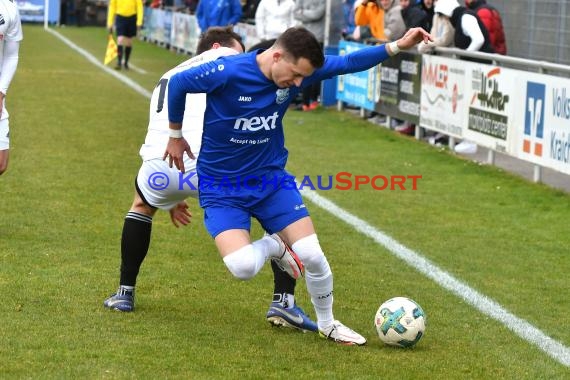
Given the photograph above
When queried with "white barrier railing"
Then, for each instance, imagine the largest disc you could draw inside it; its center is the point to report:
(522, 113)
(180, 31)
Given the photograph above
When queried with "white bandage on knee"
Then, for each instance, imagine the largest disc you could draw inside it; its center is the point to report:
(311, 254)
(245, 262)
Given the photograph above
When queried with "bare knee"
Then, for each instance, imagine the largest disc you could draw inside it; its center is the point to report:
(3, 165)
(141, 207)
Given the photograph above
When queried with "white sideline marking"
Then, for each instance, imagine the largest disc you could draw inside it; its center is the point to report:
(484, 304)
(137, 69)
(129, 82)
(481, 302)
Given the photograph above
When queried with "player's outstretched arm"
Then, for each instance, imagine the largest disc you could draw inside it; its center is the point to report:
(412, 37)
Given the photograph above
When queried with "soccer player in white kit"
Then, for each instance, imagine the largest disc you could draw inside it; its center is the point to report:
(10, 37)
(160, 187)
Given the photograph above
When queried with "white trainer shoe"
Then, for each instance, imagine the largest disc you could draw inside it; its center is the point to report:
(339, 333)
(289, 262)
(466, 147)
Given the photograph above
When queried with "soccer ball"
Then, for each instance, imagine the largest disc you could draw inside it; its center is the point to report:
(400, 322)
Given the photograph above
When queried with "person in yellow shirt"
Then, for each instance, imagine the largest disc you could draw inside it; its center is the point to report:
(370, 13)
(127, 17)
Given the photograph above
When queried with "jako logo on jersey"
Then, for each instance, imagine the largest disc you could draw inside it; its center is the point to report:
(257, 122)
(244, 99)
(282, 95)
(534, 118)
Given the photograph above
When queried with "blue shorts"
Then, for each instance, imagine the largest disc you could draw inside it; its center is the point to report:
(231, 207)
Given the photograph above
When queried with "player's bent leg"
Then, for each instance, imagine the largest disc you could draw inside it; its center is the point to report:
(4, 144)
(128, 50)
(242, 258)
(243, 263)
(319, 279)
(4, 156)
(135, 241)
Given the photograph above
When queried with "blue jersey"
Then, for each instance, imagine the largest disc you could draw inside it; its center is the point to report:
(243, 121)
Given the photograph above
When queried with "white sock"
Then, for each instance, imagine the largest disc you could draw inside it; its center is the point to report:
(318, 277)
(272, 246)
(126, 289)
(284, 299)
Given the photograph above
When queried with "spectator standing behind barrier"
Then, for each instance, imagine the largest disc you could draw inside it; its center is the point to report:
(191, 6)
(470, 32)
(127, 17)
(470, 35)
(348, 17)
(273, 17)
(371, 14)
(311, 14)
(80, 7)
(414, 16)
(442, 31)
(11, 32)
(63, 12)
(491, 18)
(443, 34)
(394, 26)
(218, 13)
(427, 6)
(249, 9)
(394, 29)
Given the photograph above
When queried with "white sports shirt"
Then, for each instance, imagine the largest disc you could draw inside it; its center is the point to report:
(193, 122)
(10, 36)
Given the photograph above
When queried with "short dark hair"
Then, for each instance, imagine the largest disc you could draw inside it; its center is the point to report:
(225, 36)
(301, 43)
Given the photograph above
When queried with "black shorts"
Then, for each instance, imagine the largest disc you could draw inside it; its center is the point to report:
(126, 26)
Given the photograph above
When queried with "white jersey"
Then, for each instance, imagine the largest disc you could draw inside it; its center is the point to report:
(193, 122)
(10, 30)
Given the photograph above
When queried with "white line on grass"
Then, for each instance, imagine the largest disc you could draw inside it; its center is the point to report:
(137, 69)
(132, 84)
(481, 302)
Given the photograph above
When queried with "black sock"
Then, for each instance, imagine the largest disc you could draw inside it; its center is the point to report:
(119, 54)
(283, 284)
(134, 246)
(127, 53)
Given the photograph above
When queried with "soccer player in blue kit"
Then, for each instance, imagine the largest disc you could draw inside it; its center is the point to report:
(241, 166)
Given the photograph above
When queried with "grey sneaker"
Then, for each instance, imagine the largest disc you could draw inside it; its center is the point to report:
(121, 302)
(339, 333)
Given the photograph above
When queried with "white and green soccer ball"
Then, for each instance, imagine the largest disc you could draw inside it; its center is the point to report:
(400, 322)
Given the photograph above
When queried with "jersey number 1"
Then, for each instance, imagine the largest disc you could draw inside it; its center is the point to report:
(162, 83)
